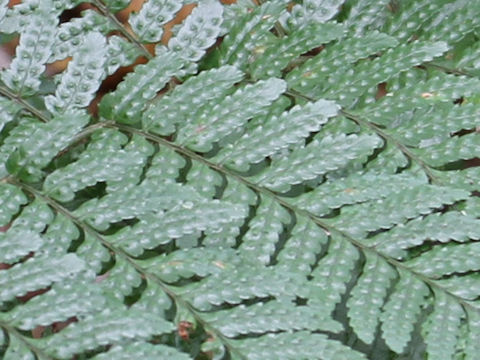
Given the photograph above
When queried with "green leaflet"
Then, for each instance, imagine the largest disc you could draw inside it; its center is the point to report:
(300, 345)
(314, 71)
(70, 35)
(163, 115)
(16, 244)
(63, 183)
(11, 198)
(275, 56)
(144, 350)
(198, 32)
(89, 330)
(226, 116)
(442, 327)
(353, 221)
(288, 129)
(409, 295)
(374, 281)
(23, 74)
(79, 83)
(58, 304)
(315, 11)
(149, 21)
(247, 34)
(37, 273)
(264, 231)
(319, 157)
(186, 218)
(125, 103)
(30, 158)
(461, 258)
(272, 316)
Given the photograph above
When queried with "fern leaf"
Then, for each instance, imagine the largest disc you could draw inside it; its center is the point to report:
(309, 237)
(23, 75)
(60, 303)
(121, 279)
(434, 264)
(474, 326)
(410, 18)
(457, 148)
(187, 263)
(130, 97)
(204, 180)
(315, 10)
(30, 158)
(251, 148)
(435, 227)
(250, 284)
(365, 15)
(217, 121)
(154, 301)
(462, 19)
(297, 345)
(143, 350)
(37, 273)
(198, 32)
(59, 236)
(465, 287)
(36, 216)
(11, 198)
(70, 35)
(375, 280)
(409, 295)
(350, 190)
(278, 54)
(249, 32)
(427, 197)
(16, 244)
(148, 23)
(264, 229)
(313, 71)
(18, 350)
(9, 110)
(392, 62)
(63, 183)
(163, 115)
(332, 273)
(93, 253)
(319, 157)
(115, 5)
(185, 219)
(79, 83)
(93, 332)
(272, 316)
(442, 327)
(120, 53)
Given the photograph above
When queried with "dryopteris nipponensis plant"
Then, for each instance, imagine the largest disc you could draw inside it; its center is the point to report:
(248, 192)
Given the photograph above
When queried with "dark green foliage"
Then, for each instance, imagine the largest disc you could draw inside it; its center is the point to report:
(278, 181)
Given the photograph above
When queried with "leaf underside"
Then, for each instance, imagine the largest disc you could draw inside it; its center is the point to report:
(294, 181)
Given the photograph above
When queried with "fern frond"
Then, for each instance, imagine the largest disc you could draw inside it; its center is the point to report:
(283, 180)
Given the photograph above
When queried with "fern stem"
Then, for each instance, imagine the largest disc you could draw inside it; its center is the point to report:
(119, 252)
(131, 37)
(39, 353)
(382, 134)
(266, 192)
(7, 93)
(450, 70)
